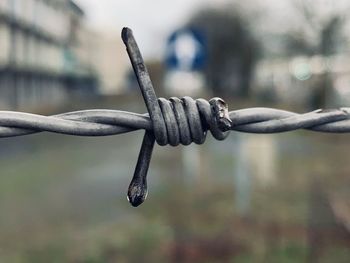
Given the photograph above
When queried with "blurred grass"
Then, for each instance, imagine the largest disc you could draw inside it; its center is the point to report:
(62, 199)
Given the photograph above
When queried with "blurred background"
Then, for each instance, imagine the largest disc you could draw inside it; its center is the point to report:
(252, 198)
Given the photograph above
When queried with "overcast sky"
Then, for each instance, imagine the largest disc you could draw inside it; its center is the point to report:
(151, 21)
(154, 20)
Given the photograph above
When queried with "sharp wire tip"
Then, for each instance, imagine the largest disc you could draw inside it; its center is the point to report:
(126, 32)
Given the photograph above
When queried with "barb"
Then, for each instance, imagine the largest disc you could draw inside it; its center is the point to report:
(174, 121)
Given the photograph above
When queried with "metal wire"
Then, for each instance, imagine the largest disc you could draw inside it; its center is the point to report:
(102, 122)
(174, 121)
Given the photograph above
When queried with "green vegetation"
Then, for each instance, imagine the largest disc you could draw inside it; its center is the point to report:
(62, 199)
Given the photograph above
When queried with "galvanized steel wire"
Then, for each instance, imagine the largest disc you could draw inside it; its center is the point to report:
(102, 122)
(174, 121)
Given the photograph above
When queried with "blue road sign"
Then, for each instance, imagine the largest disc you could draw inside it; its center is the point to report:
(186, 50)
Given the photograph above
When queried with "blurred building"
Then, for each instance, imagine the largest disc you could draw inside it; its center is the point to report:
(110, 60)
(80, 77)
(302, 80)
(39, 62)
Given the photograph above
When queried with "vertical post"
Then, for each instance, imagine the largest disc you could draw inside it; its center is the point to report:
(242, 181)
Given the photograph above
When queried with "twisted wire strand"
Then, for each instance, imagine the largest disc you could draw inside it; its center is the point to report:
(102, 122)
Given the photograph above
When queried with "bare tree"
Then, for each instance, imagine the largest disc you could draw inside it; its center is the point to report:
(232, 50)
(320, 30)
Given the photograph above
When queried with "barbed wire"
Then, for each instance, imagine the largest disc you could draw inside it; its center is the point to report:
(174, 121)
(103, 122)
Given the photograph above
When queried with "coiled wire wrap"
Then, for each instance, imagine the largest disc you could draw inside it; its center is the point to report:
(187, 120)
